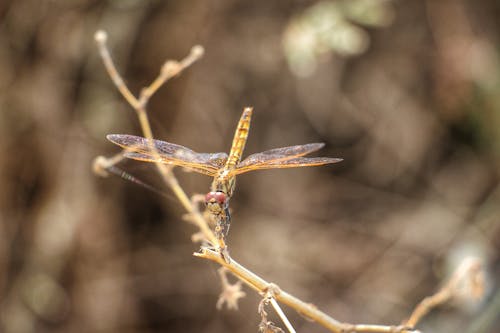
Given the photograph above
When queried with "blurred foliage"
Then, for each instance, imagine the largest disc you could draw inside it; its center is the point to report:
(330, 26)
(407, 92)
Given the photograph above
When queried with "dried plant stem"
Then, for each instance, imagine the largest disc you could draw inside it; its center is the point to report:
(102, 164)
(472, 271)
(282, 315)
(469, 275)
(101, 39)
(307, 309)
(139, 105)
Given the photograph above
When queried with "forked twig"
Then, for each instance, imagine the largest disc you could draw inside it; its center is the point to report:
(467, 280)
(282, 315)
(306, 309)
(171, 69)
(270, 297)
(267, 326)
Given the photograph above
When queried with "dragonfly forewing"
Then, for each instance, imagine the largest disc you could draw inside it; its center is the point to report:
(280, 154)
(139, 148)
(288, 163)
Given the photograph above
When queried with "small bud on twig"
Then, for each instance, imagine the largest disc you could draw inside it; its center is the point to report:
(101, 36)
(197, 51)
(99, 166)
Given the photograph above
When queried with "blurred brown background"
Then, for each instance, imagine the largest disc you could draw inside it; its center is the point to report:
(407, 92)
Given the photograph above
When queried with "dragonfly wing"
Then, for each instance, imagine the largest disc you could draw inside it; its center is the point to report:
(138, 148)
(218, 160)
(288, 163)
(280, 154)
(191, 166)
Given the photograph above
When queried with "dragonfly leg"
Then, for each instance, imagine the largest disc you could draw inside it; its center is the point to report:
(227, 221)
(223, 221)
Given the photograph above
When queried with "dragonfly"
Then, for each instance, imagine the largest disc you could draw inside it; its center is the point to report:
(222, 167)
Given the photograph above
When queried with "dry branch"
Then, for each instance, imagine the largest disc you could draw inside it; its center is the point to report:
(470, 272)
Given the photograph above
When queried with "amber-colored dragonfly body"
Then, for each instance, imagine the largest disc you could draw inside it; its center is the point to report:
(224, 168)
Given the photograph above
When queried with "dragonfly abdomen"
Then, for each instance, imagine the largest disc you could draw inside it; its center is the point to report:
(240, 139)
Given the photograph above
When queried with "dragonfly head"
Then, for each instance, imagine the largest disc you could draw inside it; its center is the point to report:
(216, 201)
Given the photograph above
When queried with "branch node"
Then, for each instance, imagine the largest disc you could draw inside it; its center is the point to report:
(170, 68)
(272, 290)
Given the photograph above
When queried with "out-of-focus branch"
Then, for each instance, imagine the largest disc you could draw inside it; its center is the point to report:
(231, 293)
(467, 280)
(101, 38)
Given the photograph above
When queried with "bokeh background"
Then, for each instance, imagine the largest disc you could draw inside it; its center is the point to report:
(407, 92)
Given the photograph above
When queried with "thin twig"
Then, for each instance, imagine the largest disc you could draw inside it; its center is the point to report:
(467, 280)
(266, 326)
(139, 107)
(282, 315)
(101, 38)
(307, 309)
(171, 69)
(101, 164)
(269, 297)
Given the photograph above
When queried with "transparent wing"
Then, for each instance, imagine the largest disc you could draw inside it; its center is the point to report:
(286, 157)
(290, 163)
(138, 148)
(280, 154)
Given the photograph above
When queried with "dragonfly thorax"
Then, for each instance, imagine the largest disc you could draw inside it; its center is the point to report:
(224, 183)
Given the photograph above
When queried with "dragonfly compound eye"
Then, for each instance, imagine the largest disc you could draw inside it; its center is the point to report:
(215, 197)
